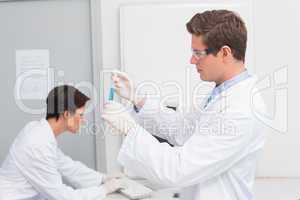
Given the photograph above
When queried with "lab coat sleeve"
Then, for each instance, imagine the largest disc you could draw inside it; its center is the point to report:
(39, 166)
(218, 143)
(77, 174)
(165, 123)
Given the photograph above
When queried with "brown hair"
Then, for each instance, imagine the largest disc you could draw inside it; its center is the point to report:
(64, 98)
(219, 28)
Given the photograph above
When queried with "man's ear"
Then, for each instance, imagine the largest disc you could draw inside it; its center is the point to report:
(66, 114)
(226, 53)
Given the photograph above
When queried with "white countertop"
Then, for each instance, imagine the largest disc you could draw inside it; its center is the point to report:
(265, 188)
(158, 195)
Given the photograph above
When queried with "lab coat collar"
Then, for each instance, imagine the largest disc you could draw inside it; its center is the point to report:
(242, 80)
(48, 130)
(229, 83)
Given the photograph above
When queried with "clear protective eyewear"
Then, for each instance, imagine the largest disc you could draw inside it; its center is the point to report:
(198, 54)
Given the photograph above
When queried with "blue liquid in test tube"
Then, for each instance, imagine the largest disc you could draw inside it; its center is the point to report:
(111, 94)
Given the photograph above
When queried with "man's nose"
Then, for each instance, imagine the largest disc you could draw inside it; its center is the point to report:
(193, 60)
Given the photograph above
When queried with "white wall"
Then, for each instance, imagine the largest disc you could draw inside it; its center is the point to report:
(276, 44)
(276, 40)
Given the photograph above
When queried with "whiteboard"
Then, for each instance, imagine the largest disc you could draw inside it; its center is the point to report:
(156, 48)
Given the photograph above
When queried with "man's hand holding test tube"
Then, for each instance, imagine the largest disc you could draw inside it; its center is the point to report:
(115, 113)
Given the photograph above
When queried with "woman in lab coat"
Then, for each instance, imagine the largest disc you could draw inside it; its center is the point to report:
(217, 146)
(35, 167)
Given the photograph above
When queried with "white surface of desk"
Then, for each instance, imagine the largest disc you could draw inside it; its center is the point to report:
(159, 195)
(277, 189)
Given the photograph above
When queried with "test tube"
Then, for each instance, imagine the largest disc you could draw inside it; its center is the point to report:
(111, 94)
(111, 91)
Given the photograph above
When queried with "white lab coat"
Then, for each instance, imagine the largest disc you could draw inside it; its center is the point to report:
(216, 149)
(35, 169)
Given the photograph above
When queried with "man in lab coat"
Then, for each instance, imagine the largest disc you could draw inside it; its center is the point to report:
(217, 146)
(35, 167)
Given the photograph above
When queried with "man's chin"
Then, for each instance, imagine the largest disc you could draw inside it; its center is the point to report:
(202, 77)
